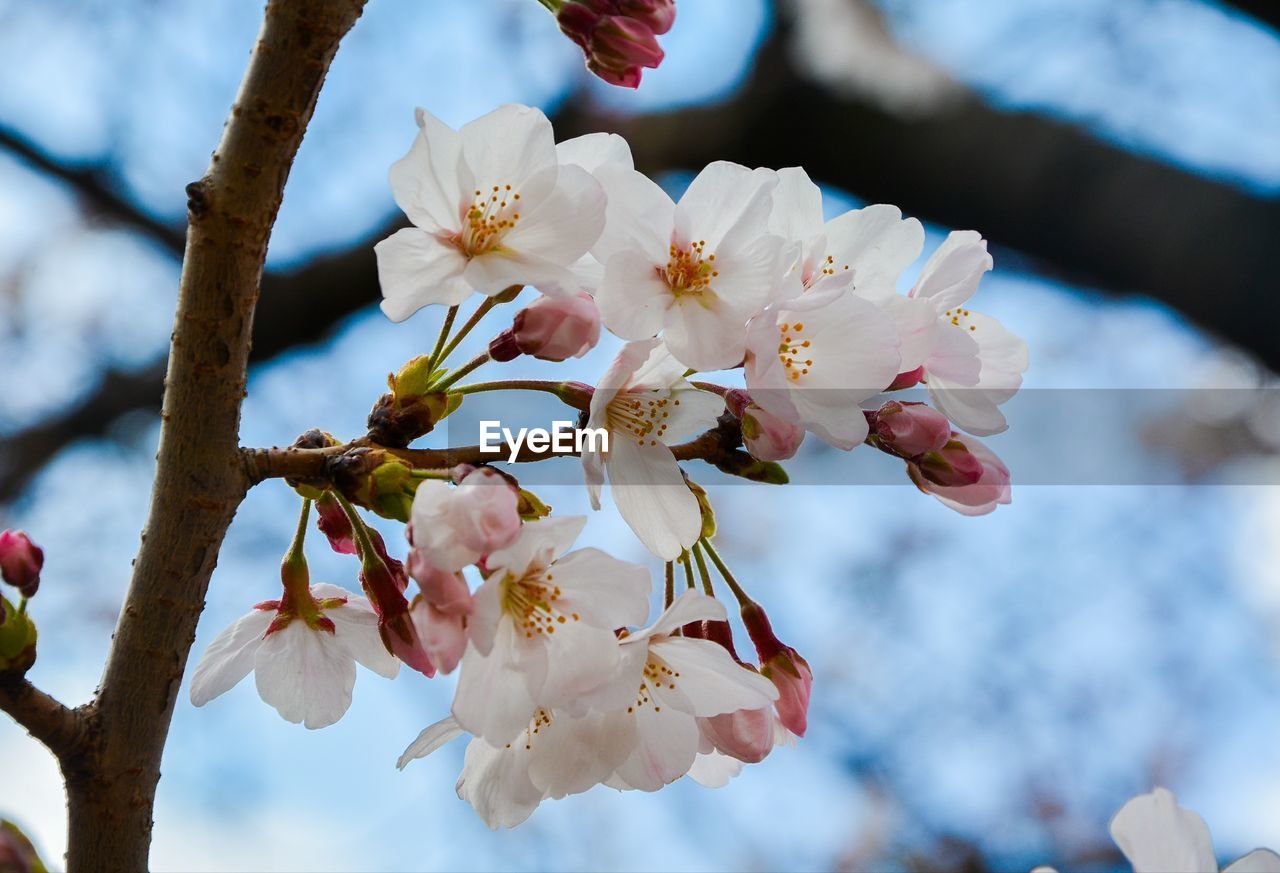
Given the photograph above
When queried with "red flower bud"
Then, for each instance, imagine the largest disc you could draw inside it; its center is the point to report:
(910, 429)
(784, 667)
(618, 37)
(558, 328)
(952, 466)
(333, 522)
(20, 561)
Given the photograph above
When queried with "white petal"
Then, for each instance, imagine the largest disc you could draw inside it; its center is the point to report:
(355, 633)
(917, 325)
(1257, 861)
(431, 183)
(1158, 836)
(415, 270)
(229, 657)
(539, 542)
(570, 755)
(714, 770)
(728, 205)
(493, 272)
(306, 675)
(495, 781)
(689, 606)
(639, 216)
(666, 745)
(580, 659)
(709, 677)
(632, 297)
(566, 224)
(875, 242)
(659, 371)
(595, 150)
(698, 411)
(797, 207)
(512, 145)
(652, 497)
(432, 737)
(705, 333)
(493, 700)
(953, 272)
(605, 591)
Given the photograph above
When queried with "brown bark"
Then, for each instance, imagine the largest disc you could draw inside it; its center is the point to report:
(199, 478)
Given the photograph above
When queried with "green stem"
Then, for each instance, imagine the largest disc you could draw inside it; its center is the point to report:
(572, 395)
(702, 572)
(688, 571)
(471, 365)
(431, 474)
(481, 311)
(300, 534)
(22, 605)
(440, 340)
(669, 593)
(364, 545)
(743, 598)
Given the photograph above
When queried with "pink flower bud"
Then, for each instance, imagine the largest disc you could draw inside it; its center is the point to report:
(989, 489)
(746, 734)
(618, 37)
(783, 666)
(952, 466)
(484, 512)
(558, 328)
(384, 581)
(447, 592)
(443, 635)
(332, 520)
(910, 429)
(767, 437)
(20, 561)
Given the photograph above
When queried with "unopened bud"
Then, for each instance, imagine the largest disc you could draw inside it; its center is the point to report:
(397, 420)
(20, 561)
(768, 437)
(746, 734)
(376, 480)
(783, 666)
(618, 37)
(952, 466)
(557, 328)
(974, 495)
(333, 522)
(909, 429)
(741, 464)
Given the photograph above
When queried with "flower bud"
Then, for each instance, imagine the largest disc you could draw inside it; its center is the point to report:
(17, 639)
(618, 37)
(952, 466)
(746, 734)
(768, 437)
(977, 496)
(443, 634)
(332, 520)
(909, 429)
(20, 561)
(454, 527)
(783, 666)
(742, 465)
(17, 855)
(446, 591)
(376, 480)
(383, 580)
(397, 420)
(557, 328)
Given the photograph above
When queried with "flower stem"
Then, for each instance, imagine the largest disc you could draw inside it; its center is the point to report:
(688, 571)
(440, 340)
(364, 545)
(702, 572)
(669, 593)
(743, 598)
(431, 474)
(481, 311)
(469, 366)
(572, 394)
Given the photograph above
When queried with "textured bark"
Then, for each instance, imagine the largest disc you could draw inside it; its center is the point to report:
(199, 478)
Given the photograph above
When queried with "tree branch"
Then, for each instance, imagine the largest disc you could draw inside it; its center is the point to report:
(94, 186)
(1264, 12)
(199, 478)
(61, 729)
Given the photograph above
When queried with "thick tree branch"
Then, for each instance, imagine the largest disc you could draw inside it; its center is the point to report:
(1266, 12)
(62, 730)
(200, 480)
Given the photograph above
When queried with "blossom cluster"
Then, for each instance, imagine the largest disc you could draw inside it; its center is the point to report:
(563, 681)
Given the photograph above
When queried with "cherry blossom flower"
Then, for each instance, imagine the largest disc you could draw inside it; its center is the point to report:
(664, 684)
(440, 613)
(696, 270)
(457, 526)
(550, 329)
(303, 655)
(491, 207)
(991, 489)
(542, 631)
(976, 364)
(1159, 836)
(645, 404)
(814, 358)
